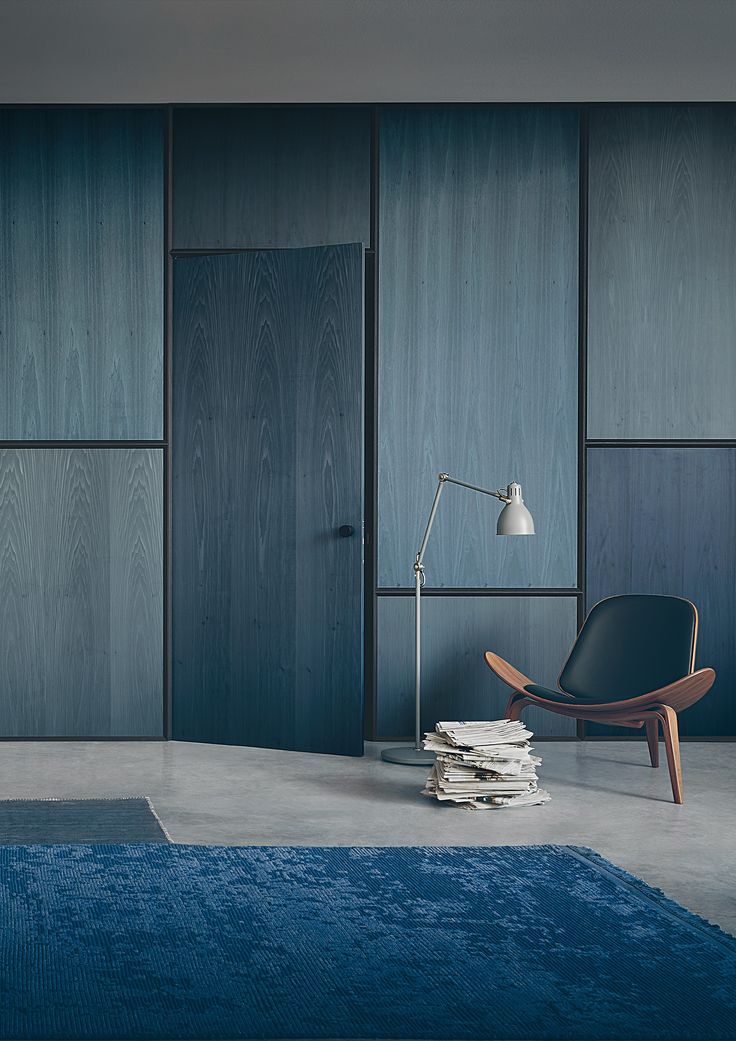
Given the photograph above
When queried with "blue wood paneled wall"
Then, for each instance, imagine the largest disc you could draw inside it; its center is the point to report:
(278, 176)
(478, 362)
(477, 339)
(662, 366)
(82, 258)
(662, 520)
(82, 274)
(81, 589)
(662, 272)
(535, 633)
(478, 292)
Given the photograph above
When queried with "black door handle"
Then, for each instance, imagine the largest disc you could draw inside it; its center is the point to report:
(345, 531)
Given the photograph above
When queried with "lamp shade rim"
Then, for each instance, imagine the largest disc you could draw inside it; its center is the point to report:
(515, 519)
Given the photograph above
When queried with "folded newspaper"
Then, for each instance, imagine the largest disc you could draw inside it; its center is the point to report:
(483, 765)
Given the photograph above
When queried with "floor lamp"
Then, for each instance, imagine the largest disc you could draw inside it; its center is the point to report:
(514, 519)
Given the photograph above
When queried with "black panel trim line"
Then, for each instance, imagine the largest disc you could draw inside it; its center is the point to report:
(216, 251)
(370, 455)
(64, 737)
(378, 105)
(480, 591)
(83, 444)
(360, 105)
(662, 443)
(155, 106)
(167, 392)
(583, 195)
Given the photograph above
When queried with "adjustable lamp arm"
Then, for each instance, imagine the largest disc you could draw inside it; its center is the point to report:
(444, 479)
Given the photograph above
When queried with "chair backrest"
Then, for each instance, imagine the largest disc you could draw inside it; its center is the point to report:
(630, 645)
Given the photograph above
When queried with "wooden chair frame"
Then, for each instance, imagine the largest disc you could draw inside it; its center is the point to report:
(658, 707)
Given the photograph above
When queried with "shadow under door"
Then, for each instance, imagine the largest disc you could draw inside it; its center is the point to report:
(267, 498)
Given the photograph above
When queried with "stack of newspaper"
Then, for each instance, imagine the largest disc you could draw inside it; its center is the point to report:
(483, 765)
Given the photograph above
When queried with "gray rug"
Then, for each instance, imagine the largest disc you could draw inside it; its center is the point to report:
(26, 822)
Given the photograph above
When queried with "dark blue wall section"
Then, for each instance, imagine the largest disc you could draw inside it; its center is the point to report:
(267, 452)
(271, 176)
(81, 622)
(662, 272)
(81, 277)
(478, 339)
(662, 520)
(533, 633)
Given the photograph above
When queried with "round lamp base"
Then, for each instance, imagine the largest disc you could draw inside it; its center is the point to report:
(408, 756)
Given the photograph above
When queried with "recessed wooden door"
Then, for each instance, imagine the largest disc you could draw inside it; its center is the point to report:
(268, 498)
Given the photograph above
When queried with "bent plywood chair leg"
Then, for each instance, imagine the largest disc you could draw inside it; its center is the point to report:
(653, 740)
(515, 706)
(668, 718)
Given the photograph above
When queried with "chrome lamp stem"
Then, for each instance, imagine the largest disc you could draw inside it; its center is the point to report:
(417, 756)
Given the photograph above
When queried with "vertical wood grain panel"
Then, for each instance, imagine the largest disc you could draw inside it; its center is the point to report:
(81, 278)
(267, 465)
(81, 538)
(25, 699)
(233, 505)
(662, 520)
(329, 493)
(662, 270)
(478, 339)
(533, 633)
(71, 495)
(135, 483)
(260, 177)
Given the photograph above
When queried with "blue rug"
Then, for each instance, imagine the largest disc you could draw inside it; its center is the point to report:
(27, 821)
(544, 942)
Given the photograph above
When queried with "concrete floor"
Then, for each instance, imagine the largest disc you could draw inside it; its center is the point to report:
(604, 795)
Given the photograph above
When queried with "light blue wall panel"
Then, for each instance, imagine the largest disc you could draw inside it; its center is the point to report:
(662, 520)
(81, 274)
(662, 272)
(81, 592)
(533, 633)
(477, 341)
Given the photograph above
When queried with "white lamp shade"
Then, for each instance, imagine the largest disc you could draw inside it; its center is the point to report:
(515, 518)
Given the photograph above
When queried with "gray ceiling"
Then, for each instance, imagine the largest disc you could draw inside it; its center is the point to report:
(366, 50)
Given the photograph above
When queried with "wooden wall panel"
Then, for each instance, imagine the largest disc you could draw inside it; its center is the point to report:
(478, 339)
(81, 278)
(662, 520)
(267, 450)
(534, 633)
(261, 177)
(136, 577)
(81, 587)
(662, 270)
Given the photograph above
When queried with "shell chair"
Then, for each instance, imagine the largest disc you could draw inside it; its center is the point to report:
(632, 665)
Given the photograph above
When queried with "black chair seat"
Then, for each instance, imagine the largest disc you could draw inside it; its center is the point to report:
(552, 695)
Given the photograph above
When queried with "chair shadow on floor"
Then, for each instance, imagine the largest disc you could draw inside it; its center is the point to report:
(618, 793)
